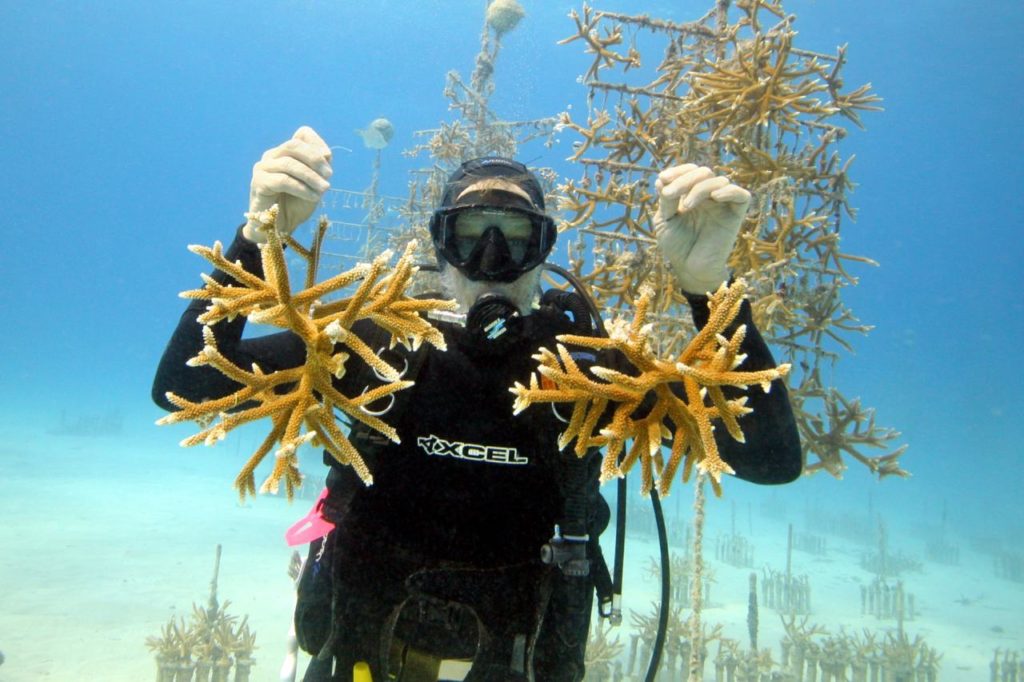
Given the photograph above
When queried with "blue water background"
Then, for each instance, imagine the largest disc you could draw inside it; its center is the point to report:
(130, 129)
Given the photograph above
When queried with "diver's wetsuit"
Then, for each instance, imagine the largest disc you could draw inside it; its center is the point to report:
(460, 508)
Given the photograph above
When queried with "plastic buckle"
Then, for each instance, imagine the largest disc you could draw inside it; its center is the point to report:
(611, 609)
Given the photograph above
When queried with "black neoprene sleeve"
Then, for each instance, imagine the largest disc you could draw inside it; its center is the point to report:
(270, 352)
(772, 451)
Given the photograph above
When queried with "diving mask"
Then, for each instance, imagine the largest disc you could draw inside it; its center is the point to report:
(492, 243)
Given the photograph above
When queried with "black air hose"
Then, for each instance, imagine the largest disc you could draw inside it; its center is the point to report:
(659, 640)
(620, 515)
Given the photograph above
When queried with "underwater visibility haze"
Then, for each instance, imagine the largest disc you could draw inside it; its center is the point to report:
(882, 256)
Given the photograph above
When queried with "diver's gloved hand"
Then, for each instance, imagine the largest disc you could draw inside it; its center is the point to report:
(698, 218)
(294, 176)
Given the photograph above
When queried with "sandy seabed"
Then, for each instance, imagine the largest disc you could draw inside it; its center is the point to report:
(103, 543)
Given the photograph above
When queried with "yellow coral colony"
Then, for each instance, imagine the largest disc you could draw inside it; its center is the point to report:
(301, 402)
(707, 363)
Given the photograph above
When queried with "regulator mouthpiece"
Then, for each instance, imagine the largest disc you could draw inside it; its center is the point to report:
(494, 322)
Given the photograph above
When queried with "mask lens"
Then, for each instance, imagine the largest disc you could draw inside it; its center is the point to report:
(470, 225)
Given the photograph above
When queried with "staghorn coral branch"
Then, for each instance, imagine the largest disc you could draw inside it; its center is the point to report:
(301, 402)
(686, 419)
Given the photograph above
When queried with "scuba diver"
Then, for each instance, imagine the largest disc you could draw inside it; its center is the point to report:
(478, 539)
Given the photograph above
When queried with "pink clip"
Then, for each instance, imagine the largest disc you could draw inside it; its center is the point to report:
(312, 526)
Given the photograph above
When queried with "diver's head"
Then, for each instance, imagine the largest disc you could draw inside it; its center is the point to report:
(491, 233)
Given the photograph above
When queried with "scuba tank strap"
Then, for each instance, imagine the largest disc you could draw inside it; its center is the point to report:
(608, 600)
(586, 318)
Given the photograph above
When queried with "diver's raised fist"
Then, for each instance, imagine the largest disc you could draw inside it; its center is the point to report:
(293, 175)
(697, 221)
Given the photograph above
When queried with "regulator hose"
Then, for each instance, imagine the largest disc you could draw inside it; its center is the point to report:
(659, 640)
(620, 506)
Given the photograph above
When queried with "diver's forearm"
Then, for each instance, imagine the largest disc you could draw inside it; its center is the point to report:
(198, 383)
(772, 452)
